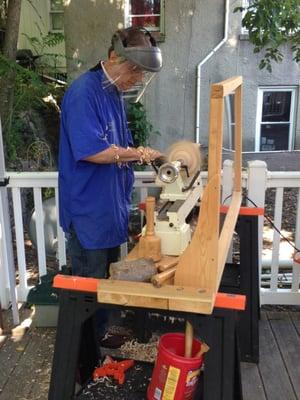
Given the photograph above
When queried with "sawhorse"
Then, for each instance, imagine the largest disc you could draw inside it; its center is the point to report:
(76, 348)
(243, 278)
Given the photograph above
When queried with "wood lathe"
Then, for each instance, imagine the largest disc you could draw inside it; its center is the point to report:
(182, 188)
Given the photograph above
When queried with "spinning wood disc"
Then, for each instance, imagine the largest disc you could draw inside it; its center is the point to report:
(186, 152)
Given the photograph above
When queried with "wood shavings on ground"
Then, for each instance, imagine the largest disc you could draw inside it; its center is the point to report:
(115, 329)
(141, 351)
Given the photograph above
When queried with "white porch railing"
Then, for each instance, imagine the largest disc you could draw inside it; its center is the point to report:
(275, 294)
(255, 180)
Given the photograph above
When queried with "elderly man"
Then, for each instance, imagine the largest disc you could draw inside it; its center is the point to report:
(96, 153)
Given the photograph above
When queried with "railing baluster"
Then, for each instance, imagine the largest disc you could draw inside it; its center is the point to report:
(256, 185)
(39, 225)
(296, 266)
(276, 239)
(19, 229)
(61, 241)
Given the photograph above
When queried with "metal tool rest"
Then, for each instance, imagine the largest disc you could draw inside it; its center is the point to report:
(77, 351)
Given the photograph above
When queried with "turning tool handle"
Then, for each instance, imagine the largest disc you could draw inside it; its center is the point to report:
(150, 205)
(189, 336)
(158, 279)
(204, 349)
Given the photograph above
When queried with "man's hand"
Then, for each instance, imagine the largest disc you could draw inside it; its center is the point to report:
(116, 154)
(153, 154)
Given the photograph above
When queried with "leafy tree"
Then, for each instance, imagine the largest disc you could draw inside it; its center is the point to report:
(23, 91)
(272, 24)
(12, 14)
(29, 92)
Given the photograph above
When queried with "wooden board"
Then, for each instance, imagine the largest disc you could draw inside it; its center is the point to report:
(226, 87)
(203, 261)
(31, 371)
(133, 254)
(167, 262)
(282, 329)
(271, 365)
(252, 384)
(168, 297)
(198, 264)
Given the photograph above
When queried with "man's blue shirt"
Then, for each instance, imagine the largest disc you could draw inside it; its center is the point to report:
(94, 198)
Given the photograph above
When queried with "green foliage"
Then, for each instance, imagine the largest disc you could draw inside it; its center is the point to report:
(29, 93)
(139, 124)
(271, 24)
(47, 62)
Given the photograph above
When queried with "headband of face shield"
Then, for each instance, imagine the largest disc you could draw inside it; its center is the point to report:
(148, 58)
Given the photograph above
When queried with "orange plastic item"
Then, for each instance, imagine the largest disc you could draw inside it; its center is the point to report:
(232, 301)
(75, 283)
(115, 369)
(245, 210)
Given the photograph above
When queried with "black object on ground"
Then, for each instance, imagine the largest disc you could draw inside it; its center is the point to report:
(43, 293)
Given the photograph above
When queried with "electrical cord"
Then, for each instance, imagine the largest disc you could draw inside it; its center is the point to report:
(271, 223)
(275, 227)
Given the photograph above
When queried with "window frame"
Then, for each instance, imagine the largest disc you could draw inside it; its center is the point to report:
(52, 12)
(291, 122)
(159, 34)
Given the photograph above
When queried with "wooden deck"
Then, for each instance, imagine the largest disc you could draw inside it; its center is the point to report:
(25, 360)
(278, 374)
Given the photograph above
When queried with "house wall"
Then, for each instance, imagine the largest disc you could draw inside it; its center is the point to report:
(193, 29)
(35, 22)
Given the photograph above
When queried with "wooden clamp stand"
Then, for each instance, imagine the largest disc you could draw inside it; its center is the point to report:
(200, 267)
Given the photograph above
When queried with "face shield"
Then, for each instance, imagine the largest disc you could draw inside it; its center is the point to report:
(144, 59)
(137, 88)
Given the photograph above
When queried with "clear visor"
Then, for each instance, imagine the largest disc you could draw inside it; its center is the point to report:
(131, 80)
(136, 92)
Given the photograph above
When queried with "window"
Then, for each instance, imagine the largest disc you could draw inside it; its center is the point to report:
(275, 119)
(56, 15)
(146, 13)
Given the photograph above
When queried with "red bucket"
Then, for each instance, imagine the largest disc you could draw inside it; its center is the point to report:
(174, 376)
